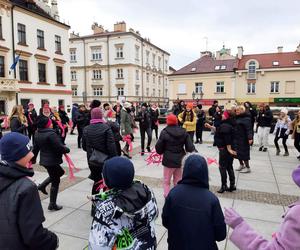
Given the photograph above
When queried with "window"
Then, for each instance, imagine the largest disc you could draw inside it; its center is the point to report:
(58, 44)
(147, 91)
(297, 62)
(137, 52)
(159, 80)
(252, 70)
(250, 88)
(98, 91)
(97, 74)
(159, 92)
(166, 92)
(220, 87)
(24, 103)
(40, 39)
(74, 91)
(137, 90)
(154, 78)
(223, 67)
(73, 55)
(119, 51)
(147, 77)
(96, 54)
(153, 60)
(159, 62)
(61, 102)
(22, 33)
(290, 87)
(2, 107)
(217, 67)
(275, 63)
(137, 75)
(181, 88)
(59, 75)
(1, 35)
(42, 72)
(193, 69)
(2, 66)
(23, 70)
(198, 87)
(274, 87)
(73, 75)
(119, 73)
(153, 92)
(120, 91)
(147, 56)
(166, 64)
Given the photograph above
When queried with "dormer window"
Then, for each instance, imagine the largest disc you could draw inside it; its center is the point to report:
(193, 69)
(297, 62)
(275, 63)
(217, 67)
(252, 70)
(223, 67)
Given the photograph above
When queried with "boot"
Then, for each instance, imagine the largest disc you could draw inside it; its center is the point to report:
(53, 197)
(278, 152)
(232, 188)
(260, 148)
(286, 153)
(223, 189)
(148, 149)
(43, 185)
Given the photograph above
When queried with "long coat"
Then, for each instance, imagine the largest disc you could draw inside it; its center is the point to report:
(126, 123)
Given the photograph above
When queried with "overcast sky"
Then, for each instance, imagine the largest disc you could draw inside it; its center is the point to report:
(180, 27)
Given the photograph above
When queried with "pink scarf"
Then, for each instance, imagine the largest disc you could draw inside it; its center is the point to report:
(94, 121)
(71, 167)
(127, 139)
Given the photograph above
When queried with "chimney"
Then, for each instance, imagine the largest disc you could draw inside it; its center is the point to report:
(298, 48)
(120, 27)
(73, 35)
(54, 10)
(279, 49)
(240, 52)
(98, 29)
(205, 53)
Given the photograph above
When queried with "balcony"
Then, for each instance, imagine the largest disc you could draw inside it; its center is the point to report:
(8, 85)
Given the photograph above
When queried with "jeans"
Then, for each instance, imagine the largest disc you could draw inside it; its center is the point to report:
(226, 161)
(149, 135)
(284, 139)
(263, 136)
(168, 173)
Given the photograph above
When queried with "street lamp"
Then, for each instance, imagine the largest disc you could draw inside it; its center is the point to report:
(193, 95)
(201, 95)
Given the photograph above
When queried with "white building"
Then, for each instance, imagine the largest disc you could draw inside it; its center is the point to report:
(118, 65)
(32, 30)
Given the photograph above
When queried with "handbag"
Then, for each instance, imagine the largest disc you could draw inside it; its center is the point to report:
(97, 158)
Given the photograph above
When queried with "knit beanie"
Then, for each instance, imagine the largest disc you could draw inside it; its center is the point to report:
(145, 105)
(118, 172)
(296, 176)
(95, 104)
(14, 146)
(127, 105)
(172, 120)
(96, 113)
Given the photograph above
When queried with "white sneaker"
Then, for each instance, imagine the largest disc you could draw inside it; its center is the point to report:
(245, 171)
(241, 167)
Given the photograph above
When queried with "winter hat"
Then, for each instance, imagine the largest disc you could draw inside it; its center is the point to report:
(43, 122)
(190, 105)
(296, 176)
(172, 120)
(118, 172)
(226, 114)
(30, 104)
(14, 146)
(127, 105)
(96, 113)
(145, 105)
(284, 110)
(95, 104)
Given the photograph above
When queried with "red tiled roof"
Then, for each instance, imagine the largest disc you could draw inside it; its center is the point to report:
(285, 59)
(207, 64)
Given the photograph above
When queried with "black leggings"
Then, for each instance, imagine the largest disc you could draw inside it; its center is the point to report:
(297, 141)
(244, 163)
(226, 161)
(55, 172)
(284, 139)
(80, 134)
(149, 135)
(155, 128)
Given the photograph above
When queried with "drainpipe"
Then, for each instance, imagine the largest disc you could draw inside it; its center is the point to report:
(163, 73)
(84, 94)
(13, 47)
(108, 69)
(142, 44)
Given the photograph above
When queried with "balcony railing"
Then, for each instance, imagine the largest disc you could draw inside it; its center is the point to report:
(251, 76)
(8, 85)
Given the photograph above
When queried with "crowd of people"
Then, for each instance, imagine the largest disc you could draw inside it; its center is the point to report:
(123, 209)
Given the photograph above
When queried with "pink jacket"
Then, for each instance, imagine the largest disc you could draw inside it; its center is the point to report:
(288, 237)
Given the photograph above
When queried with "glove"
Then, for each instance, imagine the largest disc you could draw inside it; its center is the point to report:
(232, 218)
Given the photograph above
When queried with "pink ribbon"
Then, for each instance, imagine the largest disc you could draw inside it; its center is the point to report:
(211, 161)
(154, 158)
(127, 139)
(70, 123)
(71, 167)
(101, 185)
(5, 123)
(62, 127)
(29, 117)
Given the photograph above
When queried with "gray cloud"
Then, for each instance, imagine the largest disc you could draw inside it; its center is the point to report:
(180, 26)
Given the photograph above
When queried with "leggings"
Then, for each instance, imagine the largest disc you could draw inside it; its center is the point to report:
(155, 128)
(284, 139)
(297, 141)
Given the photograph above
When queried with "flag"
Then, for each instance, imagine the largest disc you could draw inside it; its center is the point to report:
(13, 66)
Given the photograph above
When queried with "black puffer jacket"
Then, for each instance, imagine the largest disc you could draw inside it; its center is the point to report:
(83, 119)
(264, 118)
(243, 133)
(17, 126)
(154, 117)
(100, 137)
(225, 133)
(144, 118)
(51, 147)
(64, 117)
(173, 143)
(21, 213)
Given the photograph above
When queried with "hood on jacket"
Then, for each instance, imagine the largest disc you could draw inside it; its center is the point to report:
(175, 131)
(10, 172)
(195, 171)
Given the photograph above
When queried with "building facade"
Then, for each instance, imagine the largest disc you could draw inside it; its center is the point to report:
(34, 35)
(272, 78)
(118, 65)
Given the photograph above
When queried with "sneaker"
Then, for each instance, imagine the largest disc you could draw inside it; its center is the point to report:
(265, 150)
(241, 167)
(260, 148)
(277, 152)
(246, 171)
(286, 154)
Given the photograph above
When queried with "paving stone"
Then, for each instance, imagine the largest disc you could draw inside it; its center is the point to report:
(69, 242)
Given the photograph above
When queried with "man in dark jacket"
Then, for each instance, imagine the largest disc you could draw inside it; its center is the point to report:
(31, 116)
(118, 108)
(200, 123)
(51, 149)
(192, 214)
(154, 111)
(264, 121)
(212, 109)
(144, 119)
(21, 213)
(83, 119)
(74, 117)
(64, 121)
(173, 143)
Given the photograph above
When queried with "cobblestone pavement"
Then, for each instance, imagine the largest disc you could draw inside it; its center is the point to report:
(262, 195)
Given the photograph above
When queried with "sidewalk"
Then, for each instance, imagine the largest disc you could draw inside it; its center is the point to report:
(262, 196)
